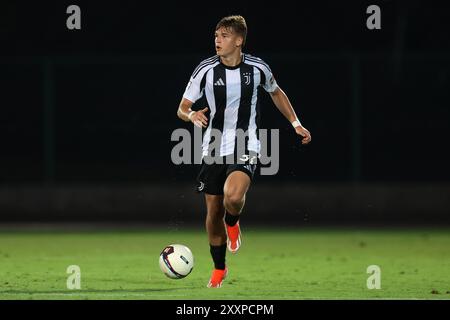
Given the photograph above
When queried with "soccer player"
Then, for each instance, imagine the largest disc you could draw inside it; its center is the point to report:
(230, 80)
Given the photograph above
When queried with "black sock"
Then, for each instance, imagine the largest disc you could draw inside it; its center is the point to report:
(230, 219)
(218, 255)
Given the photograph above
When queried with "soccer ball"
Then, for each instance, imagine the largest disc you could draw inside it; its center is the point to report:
(176, 261)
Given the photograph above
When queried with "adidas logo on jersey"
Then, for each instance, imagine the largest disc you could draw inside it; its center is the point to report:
(219, 82)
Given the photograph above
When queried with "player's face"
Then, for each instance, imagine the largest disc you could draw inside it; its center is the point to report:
(226, 41)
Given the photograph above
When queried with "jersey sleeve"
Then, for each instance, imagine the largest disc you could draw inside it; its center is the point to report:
(270, 84)
(194, 89)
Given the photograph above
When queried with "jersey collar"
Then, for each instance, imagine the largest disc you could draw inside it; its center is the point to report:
(236, 66)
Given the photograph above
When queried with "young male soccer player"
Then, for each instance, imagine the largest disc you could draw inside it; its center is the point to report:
(230, 80)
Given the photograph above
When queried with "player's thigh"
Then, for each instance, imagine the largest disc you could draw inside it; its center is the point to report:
(236, 185)
(214, 204)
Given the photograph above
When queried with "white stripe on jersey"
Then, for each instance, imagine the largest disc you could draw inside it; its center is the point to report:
(209, 92)
(231, 111)
(253, 142)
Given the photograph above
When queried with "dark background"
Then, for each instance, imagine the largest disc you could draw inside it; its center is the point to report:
(86, 115)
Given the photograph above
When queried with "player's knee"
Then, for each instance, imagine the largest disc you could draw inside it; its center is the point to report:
(233, 199)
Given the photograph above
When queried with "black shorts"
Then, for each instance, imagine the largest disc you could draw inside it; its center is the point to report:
(211, 177)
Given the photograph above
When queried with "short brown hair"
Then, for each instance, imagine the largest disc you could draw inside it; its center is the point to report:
(236, 23)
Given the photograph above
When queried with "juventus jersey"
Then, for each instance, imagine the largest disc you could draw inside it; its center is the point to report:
(231, 94)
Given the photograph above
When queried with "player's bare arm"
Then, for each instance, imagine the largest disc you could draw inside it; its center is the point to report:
(283, 104)
(185, 113)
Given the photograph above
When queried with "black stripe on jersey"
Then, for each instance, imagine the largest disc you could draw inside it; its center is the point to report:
(253, 59)
(220, 97)
(203, 81)
(262, 77)
(245, 104)
(200, 68)
(262, 81)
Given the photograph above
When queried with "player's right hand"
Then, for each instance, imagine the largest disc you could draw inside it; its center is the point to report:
(199, 119)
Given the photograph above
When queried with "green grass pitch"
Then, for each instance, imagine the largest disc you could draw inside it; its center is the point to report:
(272, 264)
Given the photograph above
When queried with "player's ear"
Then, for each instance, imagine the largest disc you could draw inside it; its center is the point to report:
(239, 42)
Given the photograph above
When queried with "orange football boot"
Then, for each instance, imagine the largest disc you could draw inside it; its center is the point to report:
(217, 277)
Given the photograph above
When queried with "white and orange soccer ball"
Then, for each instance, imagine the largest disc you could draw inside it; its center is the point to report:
(176, 261)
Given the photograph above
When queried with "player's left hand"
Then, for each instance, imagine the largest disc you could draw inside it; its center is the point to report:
(301, 131)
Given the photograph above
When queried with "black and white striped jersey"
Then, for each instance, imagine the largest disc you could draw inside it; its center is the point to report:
(231, 94)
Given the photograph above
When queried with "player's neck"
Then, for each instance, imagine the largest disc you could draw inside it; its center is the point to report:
(232, 60)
